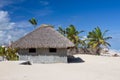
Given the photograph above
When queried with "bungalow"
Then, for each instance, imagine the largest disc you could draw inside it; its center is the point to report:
(43, 45)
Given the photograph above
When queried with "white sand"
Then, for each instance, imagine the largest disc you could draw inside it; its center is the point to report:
(94, 68)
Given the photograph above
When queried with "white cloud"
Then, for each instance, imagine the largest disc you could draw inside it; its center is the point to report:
(11, 31)
(5, 21)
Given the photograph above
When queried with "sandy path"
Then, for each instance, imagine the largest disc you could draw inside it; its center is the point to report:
(94, 68)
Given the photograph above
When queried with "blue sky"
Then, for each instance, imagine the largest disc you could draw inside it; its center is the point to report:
(84, 14)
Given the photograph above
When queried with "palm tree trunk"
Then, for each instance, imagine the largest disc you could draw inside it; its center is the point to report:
(98, 51)
(76, 48)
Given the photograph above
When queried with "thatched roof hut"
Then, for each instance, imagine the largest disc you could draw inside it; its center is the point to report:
(43, 45)
(43, 37)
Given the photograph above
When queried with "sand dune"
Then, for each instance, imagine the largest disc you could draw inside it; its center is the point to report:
(93, 68)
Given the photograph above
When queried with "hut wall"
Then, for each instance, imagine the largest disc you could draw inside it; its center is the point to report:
(44, 56)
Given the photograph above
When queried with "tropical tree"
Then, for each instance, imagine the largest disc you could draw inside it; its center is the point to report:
(72, 34)
(33, 21)
(62, 31)
(97, 39)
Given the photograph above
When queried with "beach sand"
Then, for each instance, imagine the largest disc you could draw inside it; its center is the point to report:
(93, 68)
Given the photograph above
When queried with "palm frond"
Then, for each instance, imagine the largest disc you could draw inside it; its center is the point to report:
(106, 38)
(97, 38)
(105, 32)
(33, 21)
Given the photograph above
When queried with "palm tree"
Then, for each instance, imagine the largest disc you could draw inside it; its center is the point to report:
(62, 31)
(33, 22)
(97, 39)
(72, 34)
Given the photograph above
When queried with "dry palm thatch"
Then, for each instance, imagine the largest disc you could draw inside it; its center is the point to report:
(43, 37)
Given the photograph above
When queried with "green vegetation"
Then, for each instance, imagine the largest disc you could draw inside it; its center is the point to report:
(2, 52)
(33, 21)
(72, 34)
(8, 53)
(95, 40)
(11, 54)
(62, 31)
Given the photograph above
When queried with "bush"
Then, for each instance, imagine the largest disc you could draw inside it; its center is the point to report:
(8, 53)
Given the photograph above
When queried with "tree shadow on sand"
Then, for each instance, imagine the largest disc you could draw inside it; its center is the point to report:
(72, 59)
